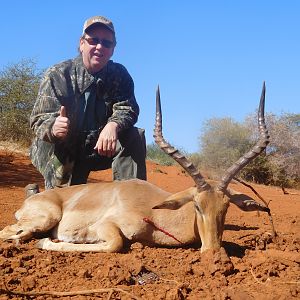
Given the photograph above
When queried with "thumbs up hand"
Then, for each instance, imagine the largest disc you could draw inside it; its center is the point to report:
(61, 125)
(62, 112)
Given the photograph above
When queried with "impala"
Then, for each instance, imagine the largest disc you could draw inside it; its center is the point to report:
(100, 216)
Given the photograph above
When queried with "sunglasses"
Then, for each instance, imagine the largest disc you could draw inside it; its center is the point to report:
(103, 42)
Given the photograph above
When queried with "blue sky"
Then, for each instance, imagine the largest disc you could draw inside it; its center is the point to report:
(210, 58)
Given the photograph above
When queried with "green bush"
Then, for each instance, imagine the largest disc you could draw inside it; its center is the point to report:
(224, 141)
(18, 89)
(157, 155)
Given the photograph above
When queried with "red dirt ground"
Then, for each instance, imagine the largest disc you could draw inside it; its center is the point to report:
(257, 266)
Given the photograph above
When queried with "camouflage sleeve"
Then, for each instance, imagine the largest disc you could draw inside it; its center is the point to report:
(125, 109)
(45, 110)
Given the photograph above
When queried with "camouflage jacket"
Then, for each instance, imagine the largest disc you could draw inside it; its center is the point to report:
(64, 84)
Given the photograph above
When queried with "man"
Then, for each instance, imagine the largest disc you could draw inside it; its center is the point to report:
(84, 114)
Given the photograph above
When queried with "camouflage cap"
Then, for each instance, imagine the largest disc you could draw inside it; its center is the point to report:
(98, 20)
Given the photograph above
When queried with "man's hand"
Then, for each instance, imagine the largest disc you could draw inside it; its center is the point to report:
(107, 141)
(61, 125)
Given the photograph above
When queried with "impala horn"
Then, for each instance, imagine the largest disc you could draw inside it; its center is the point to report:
(188, 166)
(254, 152)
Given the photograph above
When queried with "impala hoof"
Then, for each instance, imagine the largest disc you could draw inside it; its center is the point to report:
(31, 189)
(41, 244)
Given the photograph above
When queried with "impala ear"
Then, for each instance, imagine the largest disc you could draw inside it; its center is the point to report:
(245, 202)
(177, 200)
(173, 204)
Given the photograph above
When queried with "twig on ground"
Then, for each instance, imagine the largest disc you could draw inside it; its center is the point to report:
(285, 192)
(257, 280)
(109, 295)
(269, 280)
(72, 293)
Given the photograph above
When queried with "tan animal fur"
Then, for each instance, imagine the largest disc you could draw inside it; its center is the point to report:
(100, 216)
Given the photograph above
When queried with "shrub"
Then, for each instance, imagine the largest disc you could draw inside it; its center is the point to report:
(157, 155)
(18, 89)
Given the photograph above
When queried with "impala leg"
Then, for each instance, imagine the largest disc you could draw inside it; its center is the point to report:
(34, 216)
(109, 236)
(16, 231)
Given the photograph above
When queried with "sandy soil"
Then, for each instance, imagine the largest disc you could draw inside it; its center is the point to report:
(256, 266)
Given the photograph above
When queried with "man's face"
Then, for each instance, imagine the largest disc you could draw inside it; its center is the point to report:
(96, 54)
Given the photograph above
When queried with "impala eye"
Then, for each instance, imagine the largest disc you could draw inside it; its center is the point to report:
(198, 208)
